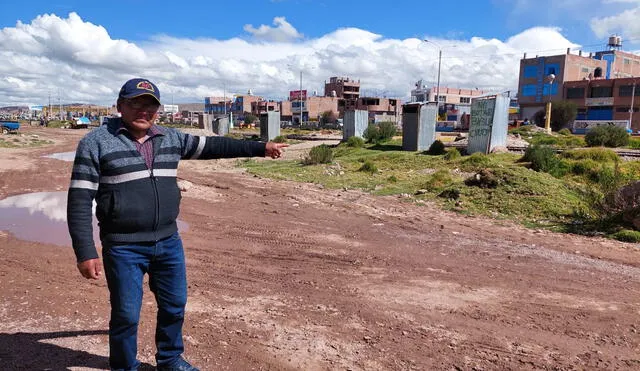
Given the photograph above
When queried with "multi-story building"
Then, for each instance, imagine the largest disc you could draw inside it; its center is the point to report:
(346, 89)
(217, 105)
(312, 108)
(455, 96)
(606, 99)
(342, 87)
(536, 87)
(380, 109)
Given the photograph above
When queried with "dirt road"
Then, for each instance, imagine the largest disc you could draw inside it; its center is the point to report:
(288, 276)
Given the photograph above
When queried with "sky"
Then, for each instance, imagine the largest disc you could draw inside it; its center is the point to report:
(83, 51)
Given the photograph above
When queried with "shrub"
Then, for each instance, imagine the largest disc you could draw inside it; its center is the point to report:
(322, 154)
(436, 148)
(584, 167)
(564, 131)
(562, 113)
(438, 180)
(608, 136)
(355, 142)
(452, 154)
(392, 179)
(387, 129)
(626, 235)
(379, 133)
(280, 139)
(544, 159)
(368, 167)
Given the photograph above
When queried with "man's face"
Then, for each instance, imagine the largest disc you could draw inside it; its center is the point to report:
(139, 112)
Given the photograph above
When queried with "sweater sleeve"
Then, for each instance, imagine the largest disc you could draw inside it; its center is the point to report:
(204, 148)
(85, 178)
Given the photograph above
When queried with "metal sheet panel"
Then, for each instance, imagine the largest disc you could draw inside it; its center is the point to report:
(418, 126)
(269, 125)
(489, 123)
(355, 122)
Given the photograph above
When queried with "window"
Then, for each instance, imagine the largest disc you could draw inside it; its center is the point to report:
(465, 99)
(601, 92)
(528, 90)
(575, 93)
(627, 90)
(442, 98)
(626, 61)
(585, 70)
(551, 69)
(530, 71)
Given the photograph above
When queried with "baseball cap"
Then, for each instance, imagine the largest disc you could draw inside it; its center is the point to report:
(137, 87)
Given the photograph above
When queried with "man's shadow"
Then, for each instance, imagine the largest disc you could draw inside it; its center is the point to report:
(27, 351)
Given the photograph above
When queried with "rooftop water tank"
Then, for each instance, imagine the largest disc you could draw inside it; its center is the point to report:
(615, 42)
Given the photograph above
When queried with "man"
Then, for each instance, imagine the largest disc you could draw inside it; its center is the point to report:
(129, 166)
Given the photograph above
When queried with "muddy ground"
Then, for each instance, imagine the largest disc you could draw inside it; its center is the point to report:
(289, 276)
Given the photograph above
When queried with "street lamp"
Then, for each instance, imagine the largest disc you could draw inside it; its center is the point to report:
(547, 122)
(299, 95)
(439, 65)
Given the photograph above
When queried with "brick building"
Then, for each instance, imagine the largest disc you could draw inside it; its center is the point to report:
(605, 99)
(380, 109)
(535, 87)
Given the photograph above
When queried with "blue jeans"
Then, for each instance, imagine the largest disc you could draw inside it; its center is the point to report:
(125, 266)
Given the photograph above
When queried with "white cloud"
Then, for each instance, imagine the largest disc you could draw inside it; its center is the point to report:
(625, 23)
(83, 63)
(283, 31)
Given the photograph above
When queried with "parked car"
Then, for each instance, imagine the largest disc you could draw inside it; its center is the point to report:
(9, 126)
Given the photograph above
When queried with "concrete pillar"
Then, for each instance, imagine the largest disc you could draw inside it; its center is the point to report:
(354, 124)
(221, 126)
(419, 126)
(269, 125)
(205, 121)
(489, 124)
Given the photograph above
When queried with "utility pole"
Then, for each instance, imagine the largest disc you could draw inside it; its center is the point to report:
(60, 104)
(438, 83)
(633, 95)
(300, 98)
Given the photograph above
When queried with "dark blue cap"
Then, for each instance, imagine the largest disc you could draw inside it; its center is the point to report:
(137, 87)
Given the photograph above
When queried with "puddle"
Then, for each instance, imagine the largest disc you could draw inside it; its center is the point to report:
(64, 156)
(42, 217)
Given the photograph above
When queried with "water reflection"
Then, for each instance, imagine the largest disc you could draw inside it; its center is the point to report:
(64, 156)
(42, 217)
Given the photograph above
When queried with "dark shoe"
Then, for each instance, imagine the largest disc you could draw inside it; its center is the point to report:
(180, 365)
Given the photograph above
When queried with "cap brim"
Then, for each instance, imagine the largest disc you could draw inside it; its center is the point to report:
(139, 95)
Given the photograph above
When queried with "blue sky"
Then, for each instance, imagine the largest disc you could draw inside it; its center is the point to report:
(193, 48)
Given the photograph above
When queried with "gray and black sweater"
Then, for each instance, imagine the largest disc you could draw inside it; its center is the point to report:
(135, 203)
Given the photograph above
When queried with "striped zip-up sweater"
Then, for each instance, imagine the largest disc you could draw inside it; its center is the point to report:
(134, 203)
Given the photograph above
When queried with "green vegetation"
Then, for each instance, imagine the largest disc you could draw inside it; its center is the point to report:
(280, 139)
(355, 142)
(436, 148)
(380, 133)
(560, 140)
(627, 236)
(562, 113)
(20, 141)
(608, 136)
(322, 154)
(564, 192)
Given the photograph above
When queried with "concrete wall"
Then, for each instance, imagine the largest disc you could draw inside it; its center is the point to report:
(221, 126)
